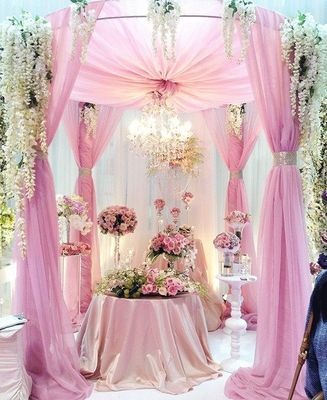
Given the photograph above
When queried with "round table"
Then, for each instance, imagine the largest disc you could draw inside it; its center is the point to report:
(235, 323)
(151, 342)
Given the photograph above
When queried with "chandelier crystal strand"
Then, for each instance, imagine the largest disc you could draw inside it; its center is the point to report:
(159, 134)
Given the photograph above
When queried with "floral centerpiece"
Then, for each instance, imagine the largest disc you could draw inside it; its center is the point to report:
(74, 210)
(237, 220)
(229, 244)
(159, 206)
(173, 243)
(137, 282)
(175, 213)
(117, 221)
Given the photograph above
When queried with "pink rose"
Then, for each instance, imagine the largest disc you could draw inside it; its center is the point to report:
(172, 290)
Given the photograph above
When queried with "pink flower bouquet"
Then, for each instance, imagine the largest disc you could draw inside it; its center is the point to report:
(117, 220)
(187, 198)
(237, 220)
(227, 242)
(172, 242)
(159, 205)
(74, 249)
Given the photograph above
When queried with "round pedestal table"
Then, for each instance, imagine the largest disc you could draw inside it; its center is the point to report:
(235, 324)
(154, 342)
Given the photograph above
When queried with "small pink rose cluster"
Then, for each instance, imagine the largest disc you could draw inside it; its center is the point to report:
(237, 219)
(187, 197)
(159, 205)
(172, 243)
(117, 220)
(227, 241)
(158, 283)
(315, 268)
(175, 213)
(75, 249)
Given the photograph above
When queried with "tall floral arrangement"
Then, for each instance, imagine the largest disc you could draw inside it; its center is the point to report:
(164, 16)
(245, 10)
(314, 175)
(25, 70)
(89, 115)
(82, 25)
(304, 49)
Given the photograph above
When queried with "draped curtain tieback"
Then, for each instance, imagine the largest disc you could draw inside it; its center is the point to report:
(85, 171)
(236, 174)
(42, 155)
(285, 158)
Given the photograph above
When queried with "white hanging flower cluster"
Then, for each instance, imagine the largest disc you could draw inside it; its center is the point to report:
(245, 10)
(304, 49)
(82, 25)
(234, 118)
(164, 16)
(89, 115)
(314, 177)
(25, 70)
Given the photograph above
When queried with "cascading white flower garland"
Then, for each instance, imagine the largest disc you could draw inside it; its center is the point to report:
(82, 25)
(234, 119)
(314, 177)
(164, 16)
(304, 49)
(25, 70)
(245, 10)
(89, 115)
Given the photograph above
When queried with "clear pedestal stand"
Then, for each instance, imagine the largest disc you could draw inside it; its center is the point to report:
(70, 281)
(236, 324)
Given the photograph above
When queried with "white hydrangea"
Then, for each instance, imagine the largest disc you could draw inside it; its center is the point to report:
(25, 70)
(164, 16)
(245, 10)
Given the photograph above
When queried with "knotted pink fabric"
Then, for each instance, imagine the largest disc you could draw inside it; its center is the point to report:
(50, 351)
(87, 150)
(235, 152)
(282, 252)
(123, 69)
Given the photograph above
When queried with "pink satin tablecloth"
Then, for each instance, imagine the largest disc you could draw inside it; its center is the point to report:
(213, 307)
(152, 342)
(15, 384)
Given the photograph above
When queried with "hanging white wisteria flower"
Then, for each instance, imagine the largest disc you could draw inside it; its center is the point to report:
(82, 25)
(164, 16)
(304, 49)
(25, 70)
(314, 177)
(245, 10)
(234, 119)
(89, 115)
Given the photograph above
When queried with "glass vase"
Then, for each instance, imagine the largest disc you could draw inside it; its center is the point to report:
(117, 252)
(227, 264)
(171, 260)
(67, 231)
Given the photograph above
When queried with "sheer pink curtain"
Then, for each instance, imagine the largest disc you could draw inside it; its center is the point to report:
(50, 352)
(235, 152)
(87, 151)
(282, 253)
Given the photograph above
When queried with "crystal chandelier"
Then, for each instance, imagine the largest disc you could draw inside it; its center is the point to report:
(159, 134)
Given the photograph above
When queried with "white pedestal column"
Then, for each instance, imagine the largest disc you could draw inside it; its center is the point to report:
(235, 324)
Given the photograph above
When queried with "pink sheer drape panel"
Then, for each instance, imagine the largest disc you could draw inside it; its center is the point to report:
(235, 152)
(87, 150)
(124, 70)
(282, 251)
(50, 352)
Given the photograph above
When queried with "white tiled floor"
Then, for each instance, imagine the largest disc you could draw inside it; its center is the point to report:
(210, 390)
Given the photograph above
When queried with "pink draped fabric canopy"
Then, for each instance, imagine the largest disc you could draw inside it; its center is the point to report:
(121, 71)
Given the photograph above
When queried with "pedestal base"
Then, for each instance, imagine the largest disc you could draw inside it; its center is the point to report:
(232, 364)
(228, 331)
